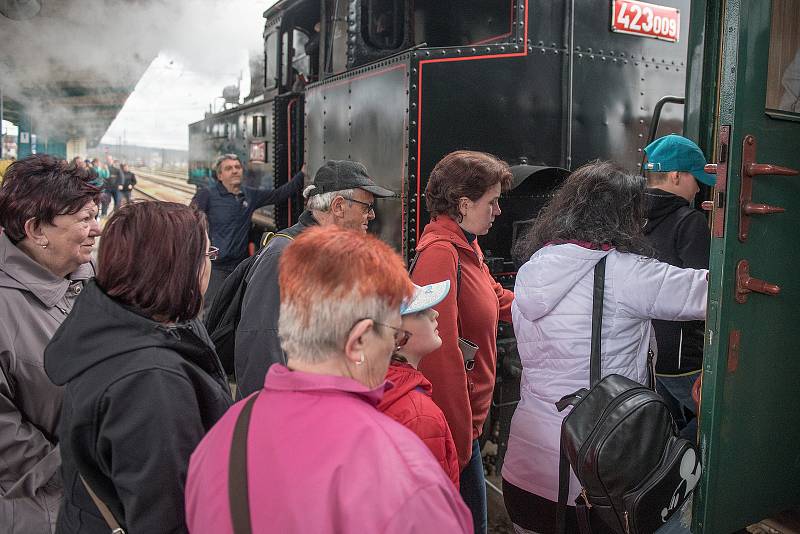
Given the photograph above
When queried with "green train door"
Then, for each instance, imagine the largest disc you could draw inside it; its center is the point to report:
(750, 413)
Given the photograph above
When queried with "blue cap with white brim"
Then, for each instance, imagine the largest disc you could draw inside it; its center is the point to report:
(425, 297)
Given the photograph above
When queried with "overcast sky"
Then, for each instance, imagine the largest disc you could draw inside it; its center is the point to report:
(187, 75)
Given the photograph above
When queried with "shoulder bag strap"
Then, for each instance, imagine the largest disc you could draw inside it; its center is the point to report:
(458, 270)
(594, 378)
(104, 510)
(458, 280)
(597, 320)
(238, 493)
(563, 491)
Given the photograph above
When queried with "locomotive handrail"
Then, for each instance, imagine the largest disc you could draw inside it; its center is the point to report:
(651, 135)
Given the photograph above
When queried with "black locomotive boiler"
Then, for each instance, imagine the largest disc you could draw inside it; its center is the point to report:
(397, 84)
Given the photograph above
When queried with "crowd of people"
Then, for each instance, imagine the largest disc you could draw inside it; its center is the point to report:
(114, 179)
(362, 386)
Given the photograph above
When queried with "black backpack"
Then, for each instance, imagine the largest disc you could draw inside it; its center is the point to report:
(623, 445)
(225, 311)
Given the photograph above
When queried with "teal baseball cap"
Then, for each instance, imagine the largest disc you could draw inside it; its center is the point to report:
(425, 297)
(676, 153)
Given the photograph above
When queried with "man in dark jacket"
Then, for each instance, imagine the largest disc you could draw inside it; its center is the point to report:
(680, 236)
(229, 207)
(343, 195)
(125, 185)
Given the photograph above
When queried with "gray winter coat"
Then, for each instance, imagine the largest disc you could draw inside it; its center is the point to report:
(33, 303)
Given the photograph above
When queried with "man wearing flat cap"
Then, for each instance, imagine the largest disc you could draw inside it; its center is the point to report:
(681, 237)
(342, 194)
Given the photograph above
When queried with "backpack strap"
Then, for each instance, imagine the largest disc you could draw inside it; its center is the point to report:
(563, 491)
(269, 236)
(597, 320)
(571, 400)
(238, 493)
(458, 272)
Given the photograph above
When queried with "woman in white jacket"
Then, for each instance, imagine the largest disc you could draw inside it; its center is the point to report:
(599, 211)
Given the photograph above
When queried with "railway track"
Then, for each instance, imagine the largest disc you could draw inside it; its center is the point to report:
(180, 191)
(174, 180)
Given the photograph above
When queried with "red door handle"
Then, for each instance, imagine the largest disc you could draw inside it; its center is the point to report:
(746, 284)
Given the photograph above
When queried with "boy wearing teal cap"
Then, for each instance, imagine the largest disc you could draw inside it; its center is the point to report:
(681, 237)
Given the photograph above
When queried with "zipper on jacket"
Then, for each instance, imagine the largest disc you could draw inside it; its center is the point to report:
(586, 497)
(627, 526)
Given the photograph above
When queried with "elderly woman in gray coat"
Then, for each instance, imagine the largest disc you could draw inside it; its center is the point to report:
(48, 217)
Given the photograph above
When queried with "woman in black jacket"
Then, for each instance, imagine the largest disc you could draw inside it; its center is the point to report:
(143, 383)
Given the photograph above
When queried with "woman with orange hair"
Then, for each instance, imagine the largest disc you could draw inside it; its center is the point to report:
(321, 457)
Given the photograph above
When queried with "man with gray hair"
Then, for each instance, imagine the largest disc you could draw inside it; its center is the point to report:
(229, 207)
(342, 195)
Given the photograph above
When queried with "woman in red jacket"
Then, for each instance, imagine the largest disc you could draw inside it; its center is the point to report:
(409, 400)
(462, 197)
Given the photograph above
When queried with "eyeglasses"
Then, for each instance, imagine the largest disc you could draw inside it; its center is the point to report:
(212, 253)
(370, 208)
(400, 336)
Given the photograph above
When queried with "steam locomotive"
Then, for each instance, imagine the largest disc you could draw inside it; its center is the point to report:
(395, 84)
(547, 86)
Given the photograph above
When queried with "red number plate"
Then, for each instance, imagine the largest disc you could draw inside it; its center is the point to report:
(646, 20)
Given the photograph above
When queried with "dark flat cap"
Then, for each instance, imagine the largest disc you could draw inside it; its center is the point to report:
(338, 175)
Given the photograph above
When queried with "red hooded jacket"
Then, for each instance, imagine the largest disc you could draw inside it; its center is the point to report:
(463, 396)
(409, 403)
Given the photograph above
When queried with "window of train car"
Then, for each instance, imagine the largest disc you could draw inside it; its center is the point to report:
(286, 79)
(301, 62)
(461, 23)
(335, 27)
(382, 23)
(271, 60)
(783, 68)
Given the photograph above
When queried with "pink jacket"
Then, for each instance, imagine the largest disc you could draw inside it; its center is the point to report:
(323, 459)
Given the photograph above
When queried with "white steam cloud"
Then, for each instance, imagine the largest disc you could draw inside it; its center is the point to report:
(110, 43)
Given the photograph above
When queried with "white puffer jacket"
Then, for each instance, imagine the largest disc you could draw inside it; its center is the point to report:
(552, 314)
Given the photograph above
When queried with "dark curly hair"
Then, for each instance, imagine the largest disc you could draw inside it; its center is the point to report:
(42, 187)
(463, 173)
(599, 203)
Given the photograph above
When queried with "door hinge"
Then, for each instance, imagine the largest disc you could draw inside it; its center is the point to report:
(750, 169)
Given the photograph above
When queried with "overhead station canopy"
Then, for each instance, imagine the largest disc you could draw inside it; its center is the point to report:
(67, 68)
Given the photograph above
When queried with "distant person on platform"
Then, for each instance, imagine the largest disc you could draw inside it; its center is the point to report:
(229, 206)
(681, 237)
(101, 171)
(113, 178)
(125, 185)
(342, 195)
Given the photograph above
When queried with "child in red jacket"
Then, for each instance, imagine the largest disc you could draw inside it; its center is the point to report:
(409, 402)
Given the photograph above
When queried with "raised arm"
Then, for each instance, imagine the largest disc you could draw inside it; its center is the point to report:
(279, 194)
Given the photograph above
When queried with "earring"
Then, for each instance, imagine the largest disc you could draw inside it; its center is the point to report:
(359, 362)
(44, 246)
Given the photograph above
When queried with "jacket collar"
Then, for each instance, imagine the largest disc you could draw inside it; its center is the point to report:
(22, 272)
(222, 190)
(444, 228)
(281, 378)
(307, 219)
